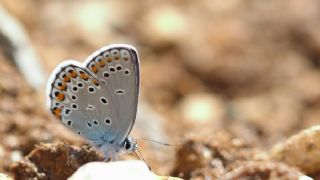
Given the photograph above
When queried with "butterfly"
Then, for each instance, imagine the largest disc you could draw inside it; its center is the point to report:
(98, 99)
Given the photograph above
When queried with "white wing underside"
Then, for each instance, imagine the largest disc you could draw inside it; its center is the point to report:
(98, 99)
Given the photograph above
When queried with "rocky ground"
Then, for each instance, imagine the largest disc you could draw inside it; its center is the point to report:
(234, 86)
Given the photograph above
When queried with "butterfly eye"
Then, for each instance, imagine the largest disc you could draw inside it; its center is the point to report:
(127, 145)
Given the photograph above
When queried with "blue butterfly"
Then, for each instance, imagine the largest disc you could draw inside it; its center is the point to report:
(98, 99)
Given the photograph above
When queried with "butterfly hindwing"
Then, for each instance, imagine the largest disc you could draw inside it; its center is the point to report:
(81, 103)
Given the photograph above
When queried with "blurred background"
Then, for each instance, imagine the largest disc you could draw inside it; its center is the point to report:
(248, 67)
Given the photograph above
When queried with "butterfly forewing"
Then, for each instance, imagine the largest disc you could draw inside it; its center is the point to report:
(98, 99)
(117, 69)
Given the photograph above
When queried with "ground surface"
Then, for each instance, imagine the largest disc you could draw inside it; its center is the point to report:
(229, 80)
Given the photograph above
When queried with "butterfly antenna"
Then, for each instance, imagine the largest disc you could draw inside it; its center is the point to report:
(154, 141)
(139, 156)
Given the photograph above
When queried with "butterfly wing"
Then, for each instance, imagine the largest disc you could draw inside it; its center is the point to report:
(117, 68)
(98, 99)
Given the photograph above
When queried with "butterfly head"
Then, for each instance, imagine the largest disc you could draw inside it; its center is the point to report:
(130, 145)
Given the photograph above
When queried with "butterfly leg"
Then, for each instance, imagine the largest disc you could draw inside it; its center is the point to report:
(110, 151)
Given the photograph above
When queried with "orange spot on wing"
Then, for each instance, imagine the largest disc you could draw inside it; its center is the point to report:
(95, 82)
(117, 57)
(126, 58)
(60, 97)
(73, 74)
(94, 68)
(66, 79)
(62, 87)
(102, 63)
(109, 59)
(84, 76)
(57, 112)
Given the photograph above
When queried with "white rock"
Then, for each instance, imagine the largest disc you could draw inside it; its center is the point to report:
(133, 169)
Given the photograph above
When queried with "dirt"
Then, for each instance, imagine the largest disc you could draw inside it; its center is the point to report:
(57, 161)
(229, 79)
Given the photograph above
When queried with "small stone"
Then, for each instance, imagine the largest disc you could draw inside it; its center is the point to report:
(16, 156)
(115, 170)
(4, 177)
(300, 150)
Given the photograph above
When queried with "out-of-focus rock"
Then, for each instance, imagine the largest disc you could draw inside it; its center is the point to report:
(211, 154)
(262, 113)
(238, 56)
(57, 161)
(18, 48)
(91, 22)
(220, 156)
(166, 24)
(116, 170)
(4, 177)
(264, 170)
(301, 150)
(16, 156)
(203, 109)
